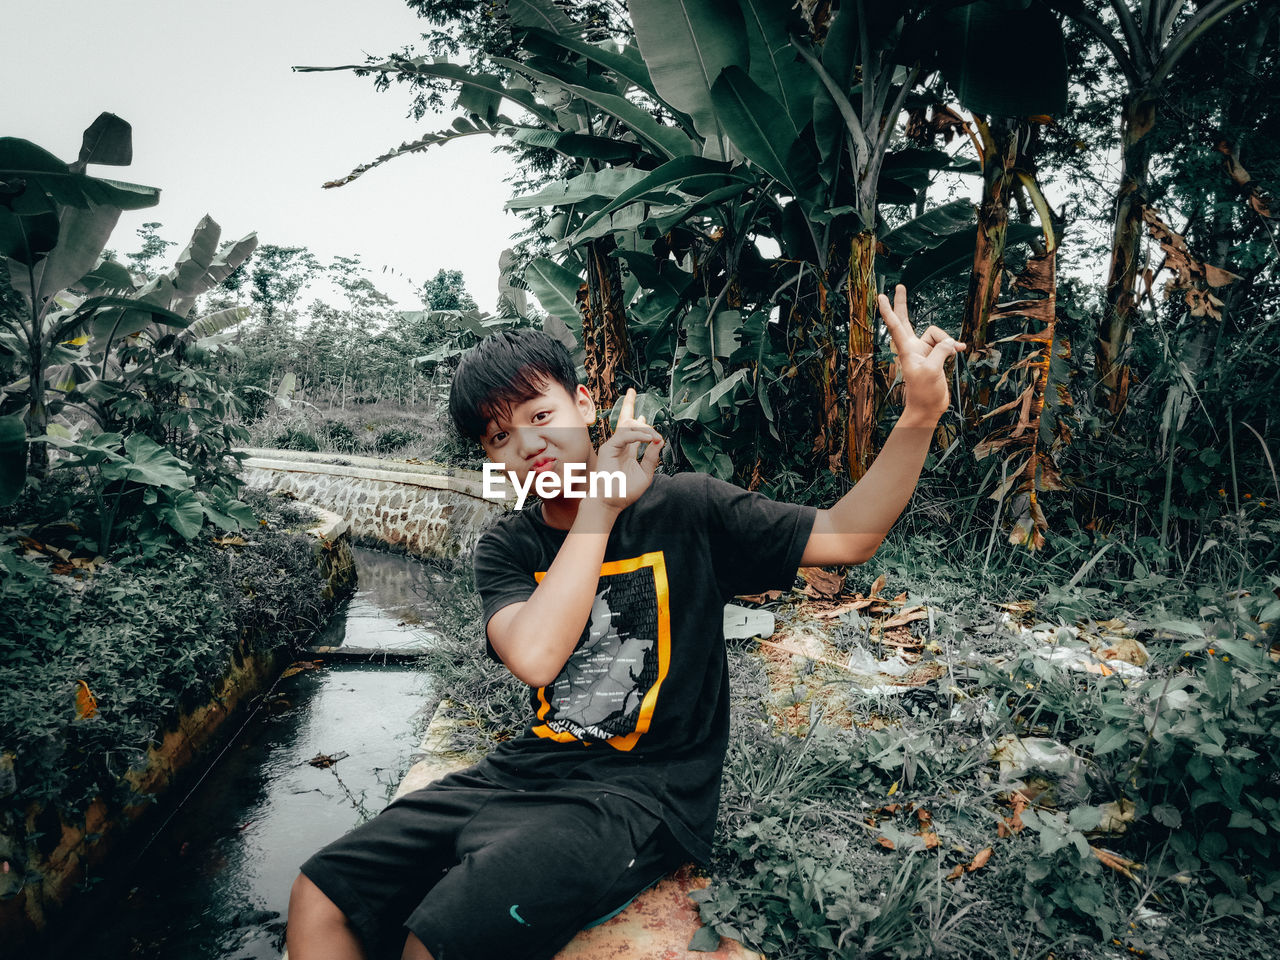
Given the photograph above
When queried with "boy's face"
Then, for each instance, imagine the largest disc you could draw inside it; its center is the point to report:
(544, 432)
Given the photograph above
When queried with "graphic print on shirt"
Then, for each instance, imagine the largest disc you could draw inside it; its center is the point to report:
(609, 685)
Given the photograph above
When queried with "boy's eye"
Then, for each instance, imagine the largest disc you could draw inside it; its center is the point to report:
(497, 438)
(540, 414)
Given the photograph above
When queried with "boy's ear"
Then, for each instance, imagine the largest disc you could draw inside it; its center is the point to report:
(586, 405)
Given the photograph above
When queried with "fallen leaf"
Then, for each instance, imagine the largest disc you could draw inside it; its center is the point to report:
(1119, 864)
(324, 761)
(300, 666)
(929, 837)
(980, 860)
(877, 586)
(86, 702)
(957, 872)
(765, 597)
(885, 842)
(822, 583)
(909, 615)
(861, 603)
(1125, 648)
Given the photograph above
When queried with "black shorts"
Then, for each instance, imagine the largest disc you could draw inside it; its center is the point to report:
(479, 871)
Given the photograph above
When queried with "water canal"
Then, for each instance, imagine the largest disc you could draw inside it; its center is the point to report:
(213, 882)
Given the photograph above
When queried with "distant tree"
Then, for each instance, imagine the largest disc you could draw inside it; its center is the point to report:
(277, 276)
(153, 248)
(447, 291)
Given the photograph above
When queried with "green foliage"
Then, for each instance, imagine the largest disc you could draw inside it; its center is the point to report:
(447, 290)
(13, 457)
(139, 487)
(295, 438)
(161, 461)
(493, 704)
(339, 436)
(149, 637)
(1193, 745)
(390, 439)
(54, 223)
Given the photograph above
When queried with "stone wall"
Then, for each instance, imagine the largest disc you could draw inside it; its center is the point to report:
(427, 510)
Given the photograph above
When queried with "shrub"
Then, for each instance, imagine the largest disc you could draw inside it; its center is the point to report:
(296, 438)
(149, 637)
(339, 436)
(393, 438)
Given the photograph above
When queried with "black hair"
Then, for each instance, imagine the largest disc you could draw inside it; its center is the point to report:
(503, 370)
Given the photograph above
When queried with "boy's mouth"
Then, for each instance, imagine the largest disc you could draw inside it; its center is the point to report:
(542, 463)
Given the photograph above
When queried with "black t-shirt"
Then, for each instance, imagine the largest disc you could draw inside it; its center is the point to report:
(642, 705)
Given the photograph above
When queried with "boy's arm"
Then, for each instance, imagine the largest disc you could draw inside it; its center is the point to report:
(852, 529)
(536, 637)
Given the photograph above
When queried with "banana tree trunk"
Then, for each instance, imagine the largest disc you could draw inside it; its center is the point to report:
(1000, 153)
(604, 324)
(37, 415)
(860, 413)
(1115, 330)
(831, 435)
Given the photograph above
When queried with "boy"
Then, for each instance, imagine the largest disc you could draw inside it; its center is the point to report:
(609, 606)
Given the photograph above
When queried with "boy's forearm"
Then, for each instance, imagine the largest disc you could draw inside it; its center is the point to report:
(877, 500)
(548, 626)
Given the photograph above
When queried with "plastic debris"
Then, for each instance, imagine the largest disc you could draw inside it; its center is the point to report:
(1019, 756)
(1084, 660)
(740, 623)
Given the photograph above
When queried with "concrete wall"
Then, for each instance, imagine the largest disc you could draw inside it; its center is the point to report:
(427, 510)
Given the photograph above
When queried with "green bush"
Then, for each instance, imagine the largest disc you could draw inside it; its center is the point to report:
(149, 637)
(296, 438)
(393, 438)
(1193, 745)
(340, 436)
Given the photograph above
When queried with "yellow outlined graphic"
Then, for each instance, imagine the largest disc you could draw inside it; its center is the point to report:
(657, 563)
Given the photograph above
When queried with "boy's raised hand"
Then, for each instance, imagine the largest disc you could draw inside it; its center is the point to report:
(620, 452)
(921, 359)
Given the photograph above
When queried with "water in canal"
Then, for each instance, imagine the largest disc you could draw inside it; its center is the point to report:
(214, 883)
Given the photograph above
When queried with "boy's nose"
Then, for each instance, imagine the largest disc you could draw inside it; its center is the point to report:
(529, 442)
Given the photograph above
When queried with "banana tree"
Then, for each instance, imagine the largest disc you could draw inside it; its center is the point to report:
(54, 223)
(1152, 36)
(725, 122)
(1032, 441)
(130, 368)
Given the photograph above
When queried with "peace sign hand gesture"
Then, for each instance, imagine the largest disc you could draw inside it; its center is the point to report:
(920, 359)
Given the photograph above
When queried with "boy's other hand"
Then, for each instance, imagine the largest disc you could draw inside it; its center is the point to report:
(620, 452)
(921, 359)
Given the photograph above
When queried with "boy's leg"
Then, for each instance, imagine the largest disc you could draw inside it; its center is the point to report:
(317, 929)
(375, 875)
(536, 868)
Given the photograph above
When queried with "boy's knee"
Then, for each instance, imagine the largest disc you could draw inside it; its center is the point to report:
(415, 949)
(306, 899)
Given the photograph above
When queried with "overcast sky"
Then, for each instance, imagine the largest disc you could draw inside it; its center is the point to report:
(223, 126)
